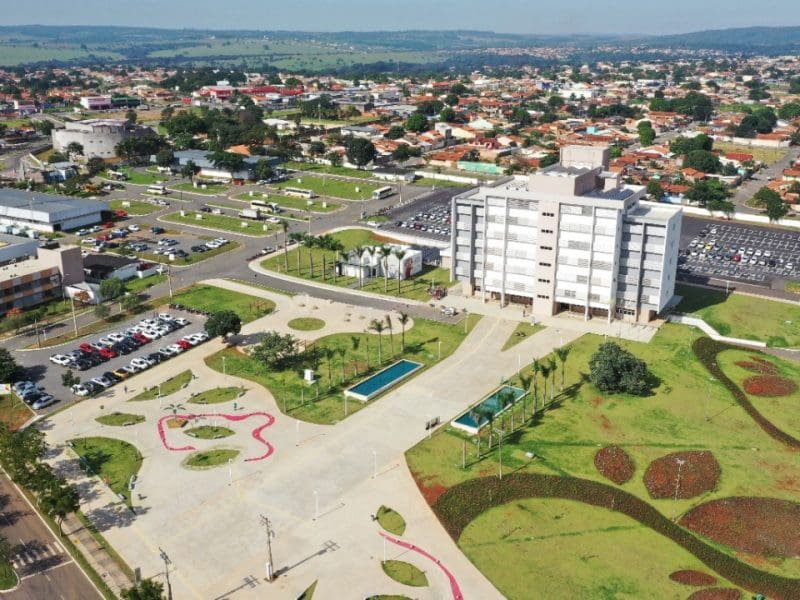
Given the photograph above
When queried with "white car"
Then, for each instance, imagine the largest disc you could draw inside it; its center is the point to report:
(182, 322)
(213, 244)
(60, 359)
(165, 317)
(80, 390)
(190, 339)
(103, 381)
(176, 349)
(117, 337)
(221, 241)
(43, 402)
(107, 341)
(134, 228)
(139, 364)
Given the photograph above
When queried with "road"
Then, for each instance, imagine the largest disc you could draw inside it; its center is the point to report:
(749, 188)
(45, 569)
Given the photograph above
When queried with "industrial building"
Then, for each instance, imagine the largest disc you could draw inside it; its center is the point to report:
(570, 237)
(21, 210)
(99, 137)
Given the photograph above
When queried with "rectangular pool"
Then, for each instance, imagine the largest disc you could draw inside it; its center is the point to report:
(382, 380)
(468, 421)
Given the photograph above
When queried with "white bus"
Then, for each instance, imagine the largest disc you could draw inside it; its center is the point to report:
(161, 190)
(264, 205)
(118, 175)
(382, 193)
(298, 192)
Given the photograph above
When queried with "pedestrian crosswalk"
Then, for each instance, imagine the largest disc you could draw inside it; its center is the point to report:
(30, 554)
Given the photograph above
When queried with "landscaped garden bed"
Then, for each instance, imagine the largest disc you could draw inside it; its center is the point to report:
(694, 578)
(716, 594)
(682, 475)
(615, 464)
(769, 386)
(208, 459)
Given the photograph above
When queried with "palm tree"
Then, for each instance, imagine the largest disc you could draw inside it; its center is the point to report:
(358, 251)
(174, 407)
(403, 318)
(552, 367)
(338, 247)
(341, 351)
(298, 238)
(536, 368)
(545, 369)
(391, 332)
(310, 242)
(370, 250)
(506, 398)
(284, 225)
(377, 326)
(327, 354)
(355, 340)
(324, 243)
(562, 354)
(384, 252)
(399, 254)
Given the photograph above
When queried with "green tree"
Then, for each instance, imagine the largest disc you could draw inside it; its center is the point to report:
(646, 133)
(59, 501)
(702, 160)
(403, 152)
(226, 161)
(395, 132)
(68, 379)
(75, 148)
(654, 189)
(360, 151)
(614, 369)
(378, 326)
(563, 353)
(776, 208)
(403, 318)
(708, 193)
(683, 145)
(276, 351)
(131, 302)
(94, 165)
(147, 589)
(765, 194)
(165, 157)
(789, 111)
(263, 169)
(223, 323)
(8, 366)
(417, 123)
(447, 115)
(101, 311)
(548, 159)
(111, 288)
(188, 169)
(334, 158)
(131, 117)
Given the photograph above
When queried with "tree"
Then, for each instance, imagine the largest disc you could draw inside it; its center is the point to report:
(68, 379)
(223, 323)
(563, 353)
(646, 133)
(378, 326)
(789, 111)
(702, 160)
(683, 145)
(131, 117)
(147, 589)
(548, 159)
(111, 288)
(165, 157)
(654, 189)
(447, 115)
(309, 242)
(94, 165)
(75, 148)
(226, 161)
(334, 158)
(403, 152)
(544, 369)
(263, 169)
(8, 366)
(763, 195)
(776, 208)
(384, 252)
(403, 318)
(59, 501)
(101, 311)
(417, 123)
(399, 254)
(391, 332)
(360, 151)
(188, 169)
(131, 302)
(395, 132)
(275, 350)
(284, 225)
(614, 369)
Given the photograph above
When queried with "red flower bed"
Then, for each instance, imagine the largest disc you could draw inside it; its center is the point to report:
(716, 594)
(769, 386)
(758, 365)
(613, 463)
(666, 477)
(696, 578)
(762, 526)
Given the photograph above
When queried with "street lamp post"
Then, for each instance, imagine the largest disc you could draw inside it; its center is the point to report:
(167, 563)
(230, 471)
(466, 321)
(708, 393)
(499, 433)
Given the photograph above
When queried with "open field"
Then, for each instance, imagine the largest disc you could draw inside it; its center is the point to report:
(209, 190)
(114, 461)
(765, 155)
(134, 208)
(326, 186)
(17, 54)
(746, 317)
(329, 169)
(315, 205)
(14, 412)
(221, 223)
(209, 299)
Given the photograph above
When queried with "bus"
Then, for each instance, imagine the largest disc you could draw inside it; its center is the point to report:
(264, 205)
(298, 192)
(118, 175)
(157, 189)
(382, 193)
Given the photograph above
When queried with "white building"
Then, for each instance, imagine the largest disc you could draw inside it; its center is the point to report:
(569, 237)
(47, 212)
(99, 137)
(370, 263)
(95, 102)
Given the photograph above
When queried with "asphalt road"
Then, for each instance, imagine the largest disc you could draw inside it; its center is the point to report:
(749, 188)
(45, 569)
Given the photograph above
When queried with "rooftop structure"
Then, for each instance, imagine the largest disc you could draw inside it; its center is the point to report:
(46, 212)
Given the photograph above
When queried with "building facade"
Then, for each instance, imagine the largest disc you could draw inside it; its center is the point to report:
(99, 137)
(569, 237)
(47, 212)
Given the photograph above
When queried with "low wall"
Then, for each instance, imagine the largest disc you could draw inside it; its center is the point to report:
(711, 332)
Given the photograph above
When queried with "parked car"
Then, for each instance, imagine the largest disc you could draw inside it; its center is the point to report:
(43, 402)
(103, 381)
(80, 390)
(60, 359)
(140, 364)
(107, 353)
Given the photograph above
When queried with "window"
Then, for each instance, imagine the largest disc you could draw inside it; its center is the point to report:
(544, 281)
(548, 214)
(544, 264)
(547, 231)
(542, 297)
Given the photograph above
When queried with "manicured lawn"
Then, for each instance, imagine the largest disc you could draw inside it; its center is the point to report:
(564, 440)
(306, 324)
(144, 177)
(329, 169)
(293, 203)
(221, 223)
(118, 419)
(260, 286)
(170, 386)
(8, 578)
(210, 298)
(746, 317)
(391, 520)
(405, 573)
(140, 285)
(134, 207)
(327, 186)
(114, 461)
(216, 396)
(210, 458)
(14, 412)
(299, 400)
(522, 331)
(209, 432)
(210, 189)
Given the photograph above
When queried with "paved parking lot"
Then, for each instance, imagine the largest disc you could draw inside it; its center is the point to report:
(732, 251)
(426, 216)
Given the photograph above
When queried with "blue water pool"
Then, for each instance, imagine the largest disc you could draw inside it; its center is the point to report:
(468, 421)
(382, 380)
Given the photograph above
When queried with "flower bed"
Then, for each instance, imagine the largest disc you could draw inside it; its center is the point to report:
(762, 526)
(694, 578)
(769, 386)
(613, 463)
(716, 594)
(756, 364)
(682, 475)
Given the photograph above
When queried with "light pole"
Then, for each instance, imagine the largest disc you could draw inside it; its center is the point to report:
(74, 318)
(167, 563)
(466, 321)
(440, 349)
(680, 462)
(708, 393)
(230, 471)
(499, 433)
(270, 534)
(169, 280)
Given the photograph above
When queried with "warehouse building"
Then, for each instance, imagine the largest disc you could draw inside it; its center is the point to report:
(46, 212)
(570, 237)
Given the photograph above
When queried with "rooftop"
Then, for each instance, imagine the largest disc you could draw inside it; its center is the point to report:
(21, 268)
(51, 204)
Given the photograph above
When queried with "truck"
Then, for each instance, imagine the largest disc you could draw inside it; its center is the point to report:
(250, 213)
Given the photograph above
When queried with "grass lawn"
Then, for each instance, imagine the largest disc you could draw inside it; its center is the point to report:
(113, 460)
(210, 458)
(134, 207)
(326, 186)
(329, 169)
(118, 419)
(308, 593)
(210, 189)
(221, 223)
(439, 183)
(746, 317)
(144, 177)
(564, 440)
(8, 578)
(216, 396)
(306, 324)
(299, 400)
(391, 520)
(210, 298)
(141, 284)
(14, 412)
(522, 331)
(765, 155)
(260, 286)
(292, 203)
(405, 573)
(209, 432)
(170, 386)
(793, 287)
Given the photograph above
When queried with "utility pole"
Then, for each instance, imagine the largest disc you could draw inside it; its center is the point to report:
(270, 534)
(74, 318)
(167, 563)
(169, 280)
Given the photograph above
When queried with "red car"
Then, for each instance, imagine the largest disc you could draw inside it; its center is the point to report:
(107, 353)
(84, 347)
(184, 344)
(141, 338)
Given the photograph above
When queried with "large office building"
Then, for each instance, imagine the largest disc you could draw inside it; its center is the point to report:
(570, 237)
(99, 137)
(21, 210)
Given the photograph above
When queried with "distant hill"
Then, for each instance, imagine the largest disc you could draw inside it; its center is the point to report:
(769, 40)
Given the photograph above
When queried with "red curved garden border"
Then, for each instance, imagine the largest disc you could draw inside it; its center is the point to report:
(256, 432)
(457, 595)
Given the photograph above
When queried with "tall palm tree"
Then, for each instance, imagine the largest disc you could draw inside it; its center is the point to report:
(284, 225)
(479, 413)
(370, 250)
(536, 368)
(310, 242)
(384, 252)
(338, 247)
(358, 251)
(298, 238)
(377, 326)
(562, 354)
(551, 364)
(399, 254)
(327, 354)
(355, 341)
(545, 369)
(391, 332)
(341, 351)
(403, 318)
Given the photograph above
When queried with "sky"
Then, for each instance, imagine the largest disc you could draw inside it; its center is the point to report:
(507, 16)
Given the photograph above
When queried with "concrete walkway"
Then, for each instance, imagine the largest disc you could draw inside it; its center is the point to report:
(319, 488)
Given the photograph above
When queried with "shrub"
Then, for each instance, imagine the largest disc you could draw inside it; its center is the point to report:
(614, 369)
(694, 578)
(769, 386)
(613, 463)
(666, 477)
